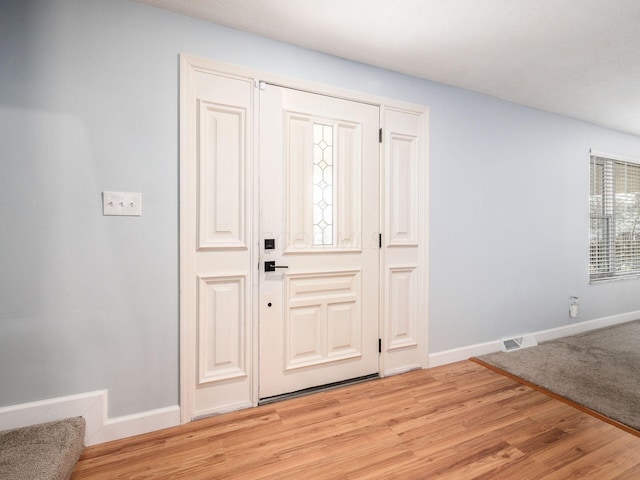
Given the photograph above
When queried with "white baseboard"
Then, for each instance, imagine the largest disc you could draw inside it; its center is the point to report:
(136, 424)
(576, 328)
(90, 405)
(463, 353)
(93, 406)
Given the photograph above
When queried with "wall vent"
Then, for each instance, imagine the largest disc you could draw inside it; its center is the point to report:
(517, 343)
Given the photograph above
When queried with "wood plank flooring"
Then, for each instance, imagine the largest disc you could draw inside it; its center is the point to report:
(459, 421)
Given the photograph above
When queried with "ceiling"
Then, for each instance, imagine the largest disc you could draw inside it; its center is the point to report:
(579, 58)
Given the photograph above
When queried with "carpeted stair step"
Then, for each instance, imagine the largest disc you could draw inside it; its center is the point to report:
(48, 451)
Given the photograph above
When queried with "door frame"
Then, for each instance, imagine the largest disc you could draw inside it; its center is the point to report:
(187, 223)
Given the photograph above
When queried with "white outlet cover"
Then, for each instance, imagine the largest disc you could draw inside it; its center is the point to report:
(122, 203)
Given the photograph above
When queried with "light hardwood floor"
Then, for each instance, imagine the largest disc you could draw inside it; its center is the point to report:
(459, 421)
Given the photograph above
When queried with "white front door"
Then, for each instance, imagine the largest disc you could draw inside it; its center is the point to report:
(319, 210)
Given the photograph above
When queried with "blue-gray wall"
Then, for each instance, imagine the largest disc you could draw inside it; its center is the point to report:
(89, 102)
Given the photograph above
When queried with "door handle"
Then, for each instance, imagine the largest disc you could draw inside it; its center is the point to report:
(271, 266)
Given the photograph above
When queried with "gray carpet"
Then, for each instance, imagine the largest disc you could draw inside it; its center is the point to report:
(48, 451)
(599, 369)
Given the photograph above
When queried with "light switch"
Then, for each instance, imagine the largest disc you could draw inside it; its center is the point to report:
(122, 203)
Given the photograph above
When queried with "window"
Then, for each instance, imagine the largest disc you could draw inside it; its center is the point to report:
(614, 246)
(322, 184)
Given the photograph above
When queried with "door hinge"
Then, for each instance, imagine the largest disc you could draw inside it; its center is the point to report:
(379, 240)
(380, 135)
(379, 345)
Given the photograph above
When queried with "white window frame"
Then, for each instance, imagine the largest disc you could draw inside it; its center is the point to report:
(604, 263)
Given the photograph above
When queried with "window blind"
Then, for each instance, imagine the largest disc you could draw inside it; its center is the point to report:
(614, 246)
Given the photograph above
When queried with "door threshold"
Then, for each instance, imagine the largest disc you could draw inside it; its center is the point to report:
(320, 388)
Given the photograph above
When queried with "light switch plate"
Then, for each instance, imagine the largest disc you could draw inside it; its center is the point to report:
(122, 203)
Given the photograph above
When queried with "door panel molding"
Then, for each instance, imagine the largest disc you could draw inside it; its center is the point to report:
(349, 198)
(221, 175)
(222, 325)
(299, 169)
(331, 300)
(403, 163)
(402, 315)
(298, 133)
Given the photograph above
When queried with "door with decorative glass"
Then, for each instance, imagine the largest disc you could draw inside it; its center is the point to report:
(319, 246)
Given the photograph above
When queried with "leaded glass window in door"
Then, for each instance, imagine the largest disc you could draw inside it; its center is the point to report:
(323, 184)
